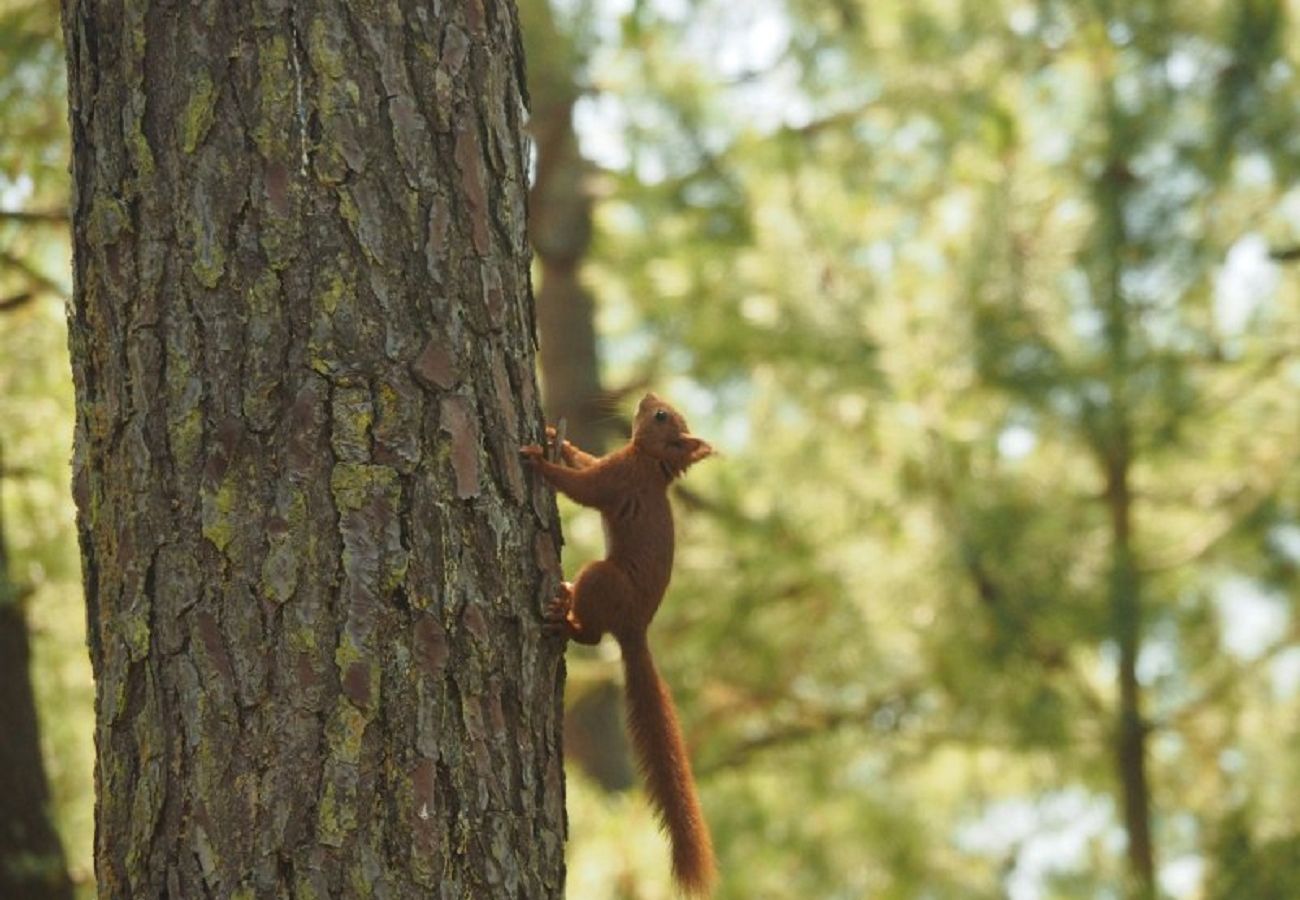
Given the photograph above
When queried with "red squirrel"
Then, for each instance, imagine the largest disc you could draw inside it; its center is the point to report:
(620, 595)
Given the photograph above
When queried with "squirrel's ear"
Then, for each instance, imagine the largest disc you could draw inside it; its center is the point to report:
(696, 448)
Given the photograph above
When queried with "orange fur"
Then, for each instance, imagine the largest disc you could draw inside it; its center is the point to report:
(620, 595)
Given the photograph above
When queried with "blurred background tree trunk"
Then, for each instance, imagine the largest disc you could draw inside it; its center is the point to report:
(1116, 452)
(32, 865)
(302, 344)
(560, 226)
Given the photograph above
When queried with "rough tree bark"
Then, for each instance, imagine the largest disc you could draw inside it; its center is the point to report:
(303, 354)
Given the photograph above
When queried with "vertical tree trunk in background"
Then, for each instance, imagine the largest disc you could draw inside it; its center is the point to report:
(560, 227)
(1115, 452)
(32, 866)
(303, 356)
(1131, 729)
(566, 316)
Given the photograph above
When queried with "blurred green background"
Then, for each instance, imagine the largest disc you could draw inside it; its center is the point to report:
(994, 309)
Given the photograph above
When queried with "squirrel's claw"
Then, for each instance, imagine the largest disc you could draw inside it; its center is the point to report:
(555, 619)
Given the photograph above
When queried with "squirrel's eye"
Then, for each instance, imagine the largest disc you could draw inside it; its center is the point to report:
(661, 415)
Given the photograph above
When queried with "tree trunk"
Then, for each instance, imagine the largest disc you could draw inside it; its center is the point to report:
(560, 227)
(1115, 450)
(303, 354)
(32, 866)
(1131, 729)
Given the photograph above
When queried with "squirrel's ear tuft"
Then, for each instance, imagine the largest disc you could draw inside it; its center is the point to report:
(696, 449)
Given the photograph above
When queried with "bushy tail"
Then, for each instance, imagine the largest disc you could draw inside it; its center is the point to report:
(661, 754)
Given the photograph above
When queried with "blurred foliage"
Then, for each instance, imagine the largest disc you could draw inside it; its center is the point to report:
(36, 411)
(926, 271)
(922, 270)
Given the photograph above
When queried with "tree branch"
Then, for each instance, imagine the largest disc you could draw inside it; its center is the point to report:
(8, 304)
(33, 217)
(814, 723)
(1246, 505)
(1215, 692)
(37, 278)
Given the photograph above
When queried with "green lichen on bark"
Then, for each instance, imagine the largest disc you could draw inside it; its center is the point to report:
(365, 222)
(186, 434)
(373, 556)
(200, 110)
(353, 484)
(358, 670)
(134, 627)
(209, 259)
(395, 430)
(275, 98)
(352, 415)
(323, 46)
(305, 889)
(265, 337)
(142, 159)
(147, 793)
(108, 218)
(279, 577)
(393, 573)
(220, 519)
(336, 289)
(141, 155)
(336, 812)
(337, 99)
(339, 286)
(346, 731)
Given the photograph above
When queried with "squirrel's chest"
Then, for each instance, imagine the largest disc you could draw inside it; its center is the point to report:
(641, 528)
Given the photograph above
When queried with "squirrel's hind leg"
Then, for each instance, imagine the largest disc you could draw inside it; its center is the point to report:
(559, 619)
(600, 600)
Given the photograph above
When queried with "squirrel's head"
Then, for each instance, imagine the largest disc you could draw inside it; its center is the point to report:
(660, 432)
